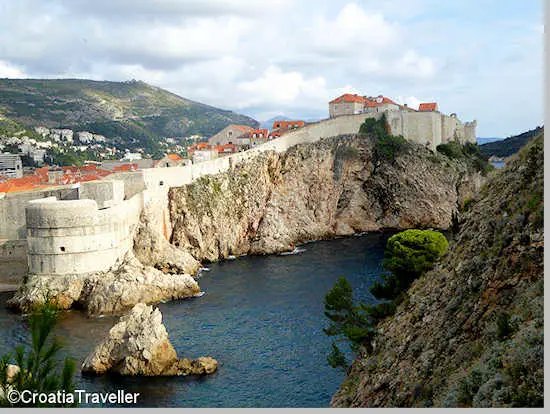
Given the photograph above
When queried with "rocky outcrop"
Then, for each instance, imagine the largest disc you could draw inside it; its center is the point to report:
(138, 345)
(151, 247)
(470, 332)
(109, 292)
(330, 188)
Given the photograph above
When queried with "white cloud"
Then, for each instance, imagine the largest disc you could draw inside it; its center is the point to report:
(352, 32)
(411, 101)
(286, 56)
(276, 87)
(9, 71)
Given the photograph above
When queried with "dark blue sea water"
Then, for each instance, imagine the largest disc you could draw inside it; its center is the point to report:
(261, 318)
(481, 141)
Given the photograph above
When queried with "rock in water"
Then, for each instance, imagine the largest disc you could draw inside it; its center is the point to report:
(138, 345)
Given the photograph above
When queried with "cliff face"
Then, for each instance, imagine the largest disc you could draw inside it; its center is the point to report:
(471, 331)
(313, 191)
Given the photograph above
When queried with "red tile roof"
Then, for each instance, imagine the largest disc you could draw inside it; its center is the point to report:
(348, 97)
(40, 179)
(427, 107)
(379, 100)
(369, 101)
(242, 128)
(174, 157)
(126, 167)
(226, 149)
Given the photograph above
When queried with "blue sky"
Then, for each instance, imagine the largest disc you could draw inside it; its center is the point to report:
(480, 59)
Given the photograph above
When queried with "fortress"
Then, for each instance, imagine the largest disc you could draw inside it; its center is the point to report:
(89, 227)
(426, 125)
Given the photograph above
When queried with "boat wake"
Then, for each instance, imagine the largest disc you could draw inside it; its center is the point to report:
(297, 250)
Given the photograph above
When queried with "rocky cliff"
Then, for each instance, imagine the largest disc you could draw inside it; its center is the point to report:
(264, 205)
(315, 191)
(471, 331)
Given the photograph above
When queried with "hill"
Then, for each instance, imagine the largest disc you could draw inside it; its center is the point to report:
(131, 109)
(470, 332)
(511, 145)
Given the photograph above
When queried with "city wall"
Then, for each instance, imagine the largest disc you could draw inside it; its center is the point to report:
(91, 229)
(74, 237)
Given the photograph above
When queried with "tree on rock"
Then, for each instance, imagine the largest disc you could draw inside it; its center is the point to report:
(409, 255)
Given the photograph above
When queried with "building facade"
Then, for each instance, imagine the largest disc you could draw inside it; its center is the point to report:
(10, 166)
(229, 134)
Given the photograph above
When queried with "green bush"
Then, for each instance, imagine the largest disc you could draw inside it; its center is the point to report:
(451, 149)
(468, 152)
(348, 321)
(386, 147)
(375, 127)
(408, 255)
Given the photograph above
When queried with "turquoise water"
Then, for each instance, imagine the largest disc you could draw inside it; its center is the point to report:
(261, 318)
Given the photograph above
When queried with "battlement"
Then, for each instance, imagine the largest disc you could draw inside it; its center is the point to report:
(75, 236)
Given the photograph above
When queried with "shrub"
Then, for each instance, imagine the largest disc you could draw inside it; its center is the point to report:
(468, 152)
(451, 149)
(504, 328)
(408, 255)
(387, 148)
(349, 321)
(376, 127)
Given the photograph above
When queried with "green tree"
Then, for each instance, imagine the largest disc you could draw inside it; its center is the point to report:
(386, 146)
(350, 322)
(38, 366)
(408, 255)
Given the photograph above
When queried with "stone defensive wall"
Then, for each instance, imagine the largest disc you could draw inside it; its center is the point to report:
(89, 226)
(75, 236)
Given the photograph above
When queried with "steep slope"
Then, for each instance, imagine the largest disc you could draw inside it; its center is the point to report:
(334, 187)
(471, 331)
(511, 145)
(130, 109)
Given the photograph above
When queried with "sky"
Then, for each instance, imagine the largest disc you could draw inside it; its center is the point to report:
(482, 59)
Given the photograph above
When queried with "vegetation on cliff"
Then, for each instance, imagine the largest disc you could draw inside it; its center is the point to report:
(409, 254)
(467, 152)
(511, 145)
(470, 332)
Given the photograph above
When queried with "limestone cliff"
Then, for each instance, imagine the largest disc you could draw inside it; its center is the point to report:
(315, 191)
(471, 331)
(264, 205)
